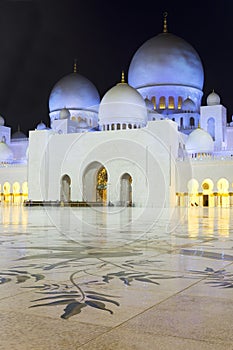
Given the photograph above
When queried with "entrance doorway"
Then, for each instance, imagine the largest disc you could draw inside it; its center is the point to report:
(65, 189)
(205, 200)
(126, 190)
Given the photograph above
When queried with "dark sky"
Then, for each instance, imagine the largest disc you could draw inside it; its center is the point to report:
(39, 41)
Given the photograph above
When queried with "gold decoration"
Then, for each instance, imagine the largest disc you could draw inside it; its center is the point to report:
(123, 77)
(102, 180)
(165, 22)
(75, 65)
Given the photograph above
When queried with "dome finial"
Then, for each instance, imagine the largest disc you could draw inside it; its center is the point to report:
(165, 22)
(123, 77)
(75, 65)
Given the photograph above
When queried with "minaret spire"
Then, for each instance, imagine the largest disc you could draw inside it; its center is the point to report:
(123, 77)
(75, 65)
(165, 22)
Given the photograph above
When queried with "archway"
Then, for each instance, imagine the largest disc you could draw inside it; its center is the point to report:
(95, 179)
(126, 190)
(16, 192)
(223, 194)
(65, 188)
(101, 187)
(24, 190)
(193, 186)
(7, 192)
(207, 194)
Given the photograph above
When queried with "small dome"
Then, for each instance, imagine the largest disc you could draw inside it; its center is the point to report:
(123, 104)
(64, 113)
(188, 105)
(6, 154)
(213, 99)
(41, 126)
(199, 141)
(2, 121)
(18, 135)
(73, 91)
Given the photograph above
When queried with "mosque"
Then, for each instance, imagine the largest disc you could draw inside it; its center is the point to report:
(149, 142)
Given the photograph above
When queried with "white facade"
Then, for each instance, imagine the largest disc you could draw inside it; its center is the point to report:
(130, 147)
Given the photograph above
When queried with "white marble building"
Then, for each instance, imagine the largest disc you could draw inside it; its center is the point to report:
(148, 142)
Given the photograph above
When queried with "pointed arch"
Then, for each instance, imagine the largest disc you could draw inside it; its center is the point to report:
(65, 192)
(126, 190)
(95, 181)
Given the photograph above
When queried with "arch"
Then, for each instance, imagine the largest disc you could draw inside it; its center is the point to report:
(171, 103)
(181, 122)
(126, 190)
(180, 102)
(7, 191)
(95, 181)
(193, 186)
(153, 100)
(16, 192)
(207, 193)
(65, 188)
(24, 190)
(211, 127)
(223, 193)
(162, 102)
(192, 122)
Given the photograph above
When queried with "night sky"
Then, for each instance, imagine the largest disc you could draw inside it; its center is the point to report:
(39, 41)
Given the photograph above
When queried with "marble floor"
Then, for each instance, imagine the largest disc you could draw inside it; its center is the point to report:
(116, 278)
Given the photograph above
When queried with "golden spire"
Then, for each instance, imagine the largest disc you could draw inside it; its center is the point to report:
(75, 65)
(122, 77)
(165, 22)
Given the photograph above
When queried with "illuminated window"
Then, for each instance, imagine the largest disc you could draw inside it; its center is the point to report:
(191, 121)
(180, 101)
(171, 104)
(162, 102)
(153, 100)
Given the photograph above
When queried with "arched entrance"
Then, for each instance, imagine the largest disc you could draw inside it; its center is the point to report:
(24, 191)
(101, 188)
(65, 188)
(95, 180)
(126, 190)
(193, 193)
(16, 193)
(7, 192)
(223, 194)
(207, 195)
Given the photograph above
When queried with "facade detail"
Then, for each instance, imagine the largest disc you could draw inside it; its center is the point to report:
(150, 141)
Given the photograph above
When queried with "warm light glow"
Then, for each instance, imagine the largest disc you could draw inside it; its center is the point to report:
(162, 102)
(171, 104)
(180, 101)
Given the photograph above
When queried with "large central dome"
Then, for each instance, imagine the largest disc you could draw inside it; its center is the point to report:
(166, 59)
